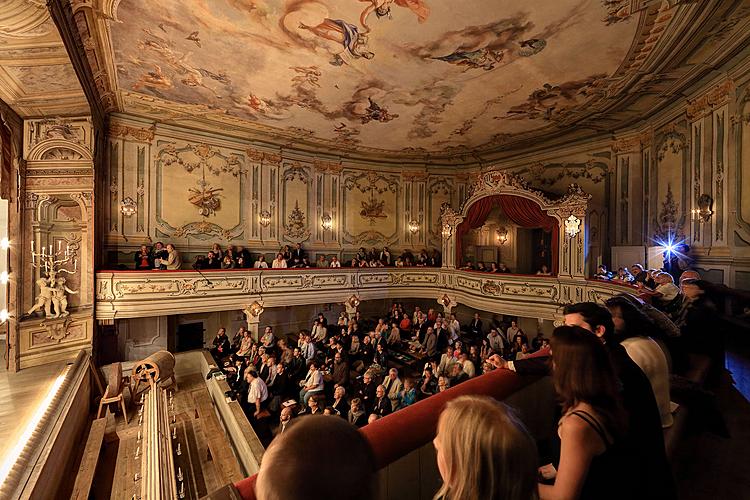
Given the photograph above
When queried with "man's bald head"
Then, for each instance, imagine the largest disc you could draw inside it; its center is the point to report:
(318, 458)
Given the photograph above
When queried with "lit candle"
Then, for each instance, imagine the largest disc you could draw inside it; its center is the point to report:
(75, 265)
(59, 243)
(32, 246)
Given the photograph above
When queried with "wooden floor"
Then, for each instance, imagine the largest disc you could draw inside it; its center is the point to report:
(200, 474)
(20, 395)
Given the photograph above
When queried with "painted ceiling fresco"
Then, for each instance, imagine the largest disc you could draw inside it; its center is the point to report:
(394, 75)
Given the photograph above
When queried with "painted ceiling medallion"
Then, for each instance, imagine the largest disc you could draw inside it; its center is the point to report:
(398, 76)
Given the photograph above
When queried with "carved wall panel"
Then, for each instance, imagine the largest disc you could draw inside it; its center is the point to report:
(743, 186)
(372, 205)
(297, 215)
(671, 157)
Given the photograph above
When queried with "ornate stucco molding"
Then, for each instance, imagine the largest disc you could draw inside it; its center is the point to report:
(263, 157)
(58, 139)
(714, 98)
(121, 131)
(632, 143)
(329, 167)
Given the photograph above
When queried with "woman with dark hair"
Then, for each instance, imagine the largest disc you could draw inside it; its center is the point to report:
(594, 463)
(637, 333)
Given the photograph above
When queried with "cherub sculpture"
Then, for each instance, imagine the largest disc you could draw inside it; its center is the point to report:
(44, 300)
(59, 299)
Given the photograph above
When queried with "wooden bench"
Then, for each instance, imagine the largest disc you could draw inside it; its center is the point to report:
(218, 447)
(90, 459)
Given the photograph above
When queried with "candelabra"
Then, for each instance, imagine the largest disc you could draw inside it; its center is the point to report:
(52, 289)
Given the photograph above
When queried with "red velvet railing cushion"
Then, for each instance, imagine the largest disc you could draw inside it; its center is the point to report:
(400, 433)
(246, 487)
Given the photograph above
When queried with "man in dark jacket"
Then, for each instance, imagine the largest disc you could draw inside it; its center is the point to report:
(221, 345)
(383, 405)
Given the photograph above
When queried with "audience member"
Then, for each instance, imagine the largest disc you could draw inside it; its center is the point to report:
(143, 259)
(594, 460)
(357, 415)
(159, 256)
(475, 328)
(644, 434)
(313, 383)
(602, 273)
(279, 262)
(173, 261)
(393, 387)
(318, 458)
(340, 405)
(544, 271)
(383, 405)
(484, 452)
(221, 345)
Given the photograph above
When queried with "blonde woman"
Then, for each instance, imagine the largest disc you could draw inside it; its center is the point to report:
(484, 451)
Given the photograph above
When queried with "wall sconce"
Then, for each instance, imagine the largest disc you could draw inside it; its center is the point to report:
(255, 309)
(502, 235)
(413, 226)
(703, 213)
(572, 226)
(327, 222)
(264, 218)
(447, 231)
(445, 300)
(353, 301)
(128, 207)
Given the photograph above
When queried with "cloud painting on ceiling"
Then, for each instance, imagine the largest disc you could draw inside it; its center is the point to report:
(394, 75)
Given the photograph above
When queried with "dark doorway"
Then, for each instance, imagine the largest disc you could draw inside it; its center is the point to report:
(189, 337)
(542, 249)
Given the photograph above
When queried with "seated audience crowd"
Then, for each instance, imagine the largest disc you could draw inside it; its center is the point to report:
(160, 257)
(611, 366)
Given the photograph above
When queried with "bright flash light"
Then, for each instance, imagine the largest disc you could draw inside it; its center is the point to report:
(5, 243)
(671, 246)
(4, 278)
(4, 316)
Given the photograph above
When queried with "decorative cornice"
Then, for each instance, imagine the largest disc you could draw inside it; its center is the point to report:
(329, 167)
(714, 98)
(119, 130)
(414, 176)
(260, 156)
(633, 143)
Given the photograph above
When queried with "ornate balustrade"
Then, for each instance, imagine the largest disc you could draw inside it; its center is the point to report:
(132, 294)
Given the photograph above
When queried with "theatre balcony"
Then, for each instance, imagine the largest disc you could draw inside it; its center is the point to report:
(134, 294)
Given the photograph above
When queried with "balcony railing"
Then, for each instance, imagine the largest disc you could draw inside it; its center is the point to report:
(132, 294)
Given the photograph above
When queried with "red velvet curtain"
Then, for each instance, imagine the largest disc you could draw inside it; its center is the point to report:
(521, 211)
